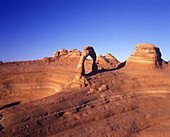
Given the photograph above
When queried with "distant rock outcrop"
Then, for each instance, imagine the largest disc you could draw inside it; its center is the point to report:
(111, 59)
(64, 56)
(56, 54)
(48, 59)
(63, 52)
(145, 55)
(74, 53)
(108, 59)
(101, 60)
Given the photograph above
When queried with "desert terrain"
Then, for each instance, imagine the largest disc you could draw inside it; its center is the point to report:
(56, 97)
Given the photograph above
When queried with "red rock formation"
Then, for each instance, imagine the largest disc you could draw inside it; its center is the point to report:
(56, 54)
(48, 59)
(63, 52)
(74, 53)
(145, 55)
(101, 60)
(86, 52)
(64, 55)
(111, 59)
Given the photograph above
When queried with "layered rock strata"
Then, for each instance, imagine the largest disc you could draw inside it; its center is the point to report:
(145, 55)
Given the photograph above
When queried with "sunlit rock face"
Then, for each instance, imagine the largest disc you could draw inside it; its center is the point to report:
(56, 54)
(101, 60)
(111, 59)
(145, 55)
(63, 52)
(74, 53)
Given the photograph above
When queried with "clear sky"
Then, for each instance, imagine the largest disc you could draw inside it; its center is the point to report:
(33, 29)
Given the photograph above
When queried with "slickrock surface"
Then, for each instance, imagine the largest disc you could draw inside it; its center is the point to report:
(34, 81)
(119, 102)
(145, 55)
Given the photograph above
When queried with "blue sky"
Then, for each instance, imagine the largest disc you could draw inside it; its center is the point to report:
(33, 29)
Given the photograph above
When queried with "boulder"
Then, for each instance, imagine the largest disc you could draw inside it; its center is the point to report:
(103, 88)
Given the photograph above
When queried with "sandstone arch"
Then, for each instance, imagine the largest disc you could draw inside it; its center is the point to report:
(88, 51)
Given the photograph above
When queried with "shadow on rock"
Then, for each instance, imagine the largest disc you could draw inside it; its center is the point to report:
(105, 70)
(10, 105)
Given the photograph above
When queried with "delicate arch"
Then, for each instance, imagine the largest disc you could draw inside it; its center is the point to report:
(88, 51)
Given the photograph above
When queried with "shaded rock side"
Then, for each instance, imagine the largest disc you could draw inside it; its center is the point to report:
(145, 55)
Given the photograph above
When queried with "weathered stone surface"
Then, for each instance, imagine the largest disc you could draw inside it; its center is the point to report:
(74, 53)
(63, 52)
(145, 55)
(47, 59)
(56, 54)
(101, 60)
(103, 88)
(108, 55)
(111, 59)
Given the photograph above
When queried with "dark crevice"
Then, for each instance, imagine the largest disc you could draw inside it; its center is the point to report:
(1, 127)
(10, 105)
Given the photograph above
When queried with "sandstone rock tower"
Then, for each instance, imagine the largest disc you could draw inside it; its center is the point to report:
(145, 55)
(88, 51)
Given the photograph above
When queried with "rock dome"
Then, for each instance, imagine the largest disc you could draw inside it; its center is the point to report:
(145, 55)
